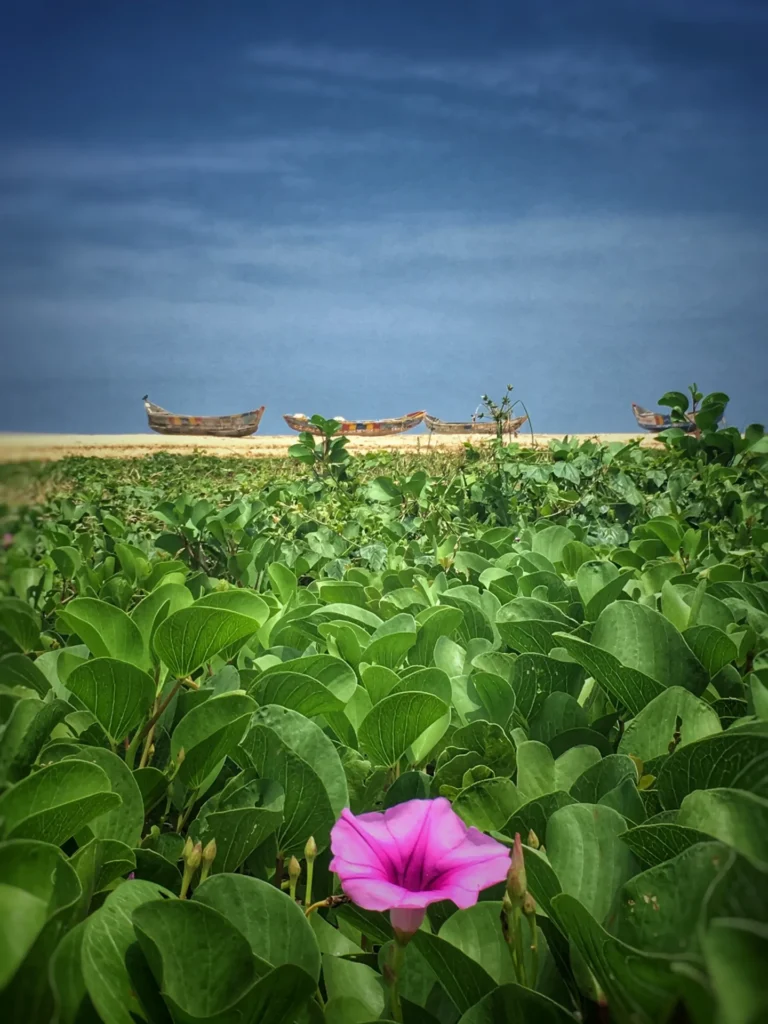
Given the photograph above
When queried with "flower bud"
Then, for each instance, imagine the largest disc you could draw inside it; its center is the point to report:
(310, 850)
(194, 859)
(533, 840)
(517, 885)
(294, 870)
(209, 853)
(529, 905)
(180, 758)
(188, 848)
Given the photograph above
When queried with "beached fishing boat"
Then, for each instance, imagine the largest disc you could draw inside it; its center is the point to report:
(368, 428)
(438, 426)
(240, 424)
(658, 421)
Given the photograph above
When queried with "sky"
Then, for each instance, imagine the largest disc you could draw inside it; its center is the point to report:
(362, 209)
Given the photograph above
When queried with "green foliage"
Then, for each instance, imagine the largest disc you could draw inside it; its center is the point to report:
(202, 662)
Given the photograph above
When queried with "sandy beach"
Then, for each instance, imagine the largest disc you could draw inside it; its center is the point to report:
(49, 447)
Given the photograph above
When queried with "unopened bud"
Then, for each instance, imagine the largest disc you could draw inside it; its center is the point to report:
(529, 905)
(533, 840)
(294, 869)
(209, 855)
(517, 885)
(310, 850)
(188, 848)
(180, 757)
(194, 859)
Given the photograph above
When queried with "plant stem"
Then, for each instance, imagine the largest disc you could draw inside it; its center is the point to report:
(517, 930)
(393, 977)
(308, 889)
(278, 879)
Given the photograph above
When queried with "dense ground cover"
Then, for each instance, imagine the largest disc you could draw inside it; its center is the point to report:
(203, 662)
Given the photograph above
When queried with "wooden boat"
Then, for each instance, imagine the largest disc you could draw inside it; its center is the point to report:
(368, 428)
(240, 424)
(658, 421)
(438, 426)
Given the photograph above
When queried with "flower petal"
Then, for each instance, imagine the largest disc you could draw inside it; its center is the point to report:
(373, 893)
(362, 841)
(424, 831)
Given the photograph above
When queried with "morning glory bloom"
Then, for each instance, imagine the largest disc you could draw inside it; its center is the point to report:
(416, 853)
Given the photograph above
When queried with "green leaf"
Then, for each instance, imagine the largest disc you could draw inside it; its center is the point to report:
(239, 818)
(19, 623)
(334, 674)
(712, 647)
(660, 908)
(631, 689)
(25, 733)
(275, 926)
(735, 817)
(731, 760)
(649, 734)
(107, 939)
(99, 863)
(736, 952)
(655, 842)
(117, 694)
(17, 670)
(107, 630)
(309, 742)
(640, 988)
(66, 976)
(56, 802)
(513, 1004)
(643, 640)
(551, 542)
(477, 933)
(162, 602)
(391, 641)
(464, 980)
(496, 694)
(22, 916)
(488, 804)
(535, 676)
(600, 778)
(192, 636)
(356, 993)
(433, 623)
(675, 400)
(534, 815)
(299, 692)
(218, 967)
(125, 821)
(396, 722)
(538, 773)
(209, 733)
(294, 752)
(36, 883)
(587, 855)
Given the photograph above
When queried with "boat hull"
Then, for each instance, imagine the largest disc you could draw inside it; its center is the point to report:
(364, 428)
(655, 422)
(482, 427)
(238, 425)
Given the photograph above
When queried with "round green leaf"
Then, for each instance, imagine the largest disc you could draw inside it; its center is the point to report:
(117, 694)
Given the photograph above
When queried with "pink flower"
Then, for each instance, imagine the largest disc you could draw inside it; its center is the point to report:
(7, 540)
(414, 854)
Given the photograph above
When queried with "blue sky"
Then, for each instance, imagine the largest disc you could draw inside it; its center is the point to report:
(361, 209)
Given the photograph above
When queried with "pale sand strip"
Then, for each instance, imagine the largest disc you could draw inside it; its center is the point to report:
(49, 447)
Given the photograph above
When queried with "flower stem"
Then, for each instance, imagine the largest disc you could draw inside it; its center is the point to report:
(393, 977)
(308, 889)
(517, 930)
